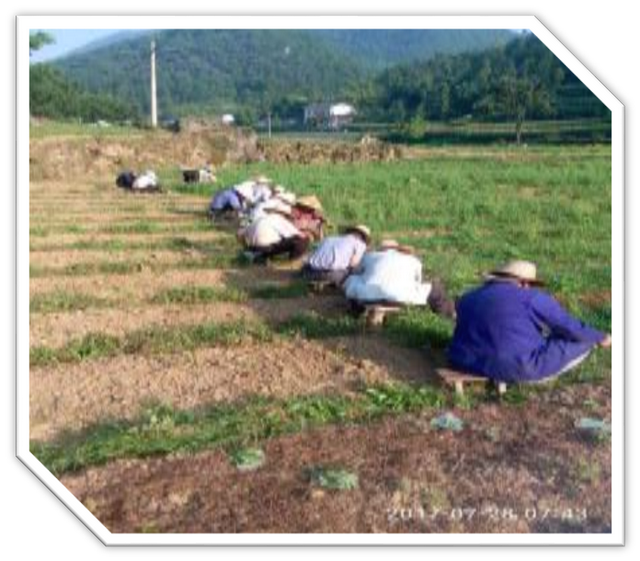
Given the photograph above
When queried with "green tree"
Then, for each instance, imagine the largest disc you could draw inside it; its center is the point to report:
(521, 95)
(39, 40)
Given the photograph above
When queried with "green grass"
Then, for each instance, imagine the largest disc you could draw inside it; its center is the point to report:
(61, 301)
(312, 325)
(295, 289)
(233, 426)
(467, 209)
(80, 130)
(199, 294)
(213, 261)
(152, 340)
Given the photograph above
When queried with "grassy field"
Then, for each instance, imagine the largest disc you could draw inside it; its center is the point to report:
(467, 210)
(169, 377)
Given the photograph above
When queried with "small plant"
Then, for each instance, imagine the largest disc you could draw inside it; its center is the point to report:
(61, 301)
(199, 294)
(247, 459)
(333, 478)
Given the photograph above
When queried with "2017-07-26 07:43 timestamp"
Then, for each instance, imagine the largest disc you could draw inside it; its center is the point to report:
(496, 514)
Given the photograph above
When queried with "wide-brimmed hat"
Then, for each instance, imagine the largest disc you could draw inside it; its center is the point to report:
(286, 197)
(310, 201)
(245, 189)
(359, 229)
(283, 209)
(261, 179)
(521, 270)
(393, 244)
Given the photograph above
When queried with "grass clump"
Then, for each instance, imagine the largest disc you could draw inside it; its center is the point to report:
(311, 325)
(61, 301)
(199, 294)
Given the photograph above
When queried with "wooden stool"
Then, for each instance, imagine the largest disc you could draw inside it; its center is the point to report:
(321, 287)
(374, 315)
(457, 380)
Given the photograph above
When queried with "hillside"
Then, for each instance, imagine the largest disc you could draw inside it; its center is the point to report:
(53, 96)
(251, 69)
(221, 70)
(380, 48)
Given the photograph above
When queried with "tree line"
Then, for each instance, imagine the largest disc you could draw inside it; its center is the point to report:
(281, 72)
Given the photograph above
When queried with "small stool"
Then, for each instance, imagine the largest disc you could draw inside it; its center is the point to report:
(321, 287)
(374, 315)
(458, 380)
(190, 175)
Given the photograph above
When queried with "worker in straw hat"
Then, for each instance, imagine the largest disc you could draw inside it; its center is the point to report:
(273, 235)
(393, 275)
(282, 201)
(255, 190)
(308, 216)
(337, 256)
(511, 331)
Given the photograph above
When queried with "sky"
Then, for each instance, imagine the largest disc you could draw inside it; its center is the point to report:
(67, 40)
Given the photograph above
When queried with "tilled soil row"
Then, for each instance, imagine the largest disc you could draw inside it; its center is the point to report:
(509, 470)
(75, 396)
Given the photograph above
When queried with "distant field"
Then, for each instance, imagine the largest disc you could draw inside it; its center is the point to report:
(462, 131)
(63, 129)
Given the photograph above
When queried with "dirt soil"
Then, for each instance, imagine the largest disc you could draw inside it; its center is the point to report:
(510, 470)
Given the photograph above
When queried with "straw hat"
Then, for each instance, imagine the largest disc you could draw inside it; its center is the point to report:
(522, 270)
(286, 197)
(393, 244)
(360, 229)
(280, 209)
(261, 179)
(311, 202)
(388, 244)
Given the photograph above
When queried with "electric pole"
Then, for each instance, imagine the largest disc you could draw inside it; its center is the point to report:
(154, 105)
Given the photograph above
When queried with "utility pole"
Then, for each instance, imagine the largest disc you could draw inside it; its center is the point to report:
(269, 122)
(154, 104)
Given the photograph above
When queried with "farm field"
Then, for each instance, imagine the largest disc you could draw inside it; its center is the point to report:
(174, 387)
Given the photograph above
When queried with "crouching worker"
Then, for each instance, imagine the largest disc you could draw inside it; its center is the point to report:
(272, 235)
(308, 216)
(509, 330)
(337, 256)
(146, 182)
(226, 203)
(393, 275)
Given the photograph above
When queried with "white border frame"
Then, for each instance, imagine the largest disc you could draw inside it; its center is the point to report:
(27, 23)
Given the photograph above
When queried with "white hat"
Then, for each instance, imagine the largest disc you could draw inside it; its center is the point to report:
(522, 270)
(245, 189)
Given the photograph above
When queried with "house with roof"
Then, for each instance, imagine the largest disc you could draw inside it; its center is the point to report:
(328, 115)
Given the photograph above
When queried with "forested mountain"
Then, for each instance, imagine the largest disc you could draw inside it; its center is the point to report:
(52, 95)
(380, 48)
(252, 69)
(251, 72)
(221, 69)
(523, 79)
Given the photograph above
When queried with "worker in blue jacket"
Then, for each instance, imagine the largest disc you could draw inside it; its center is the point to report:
(510, 331)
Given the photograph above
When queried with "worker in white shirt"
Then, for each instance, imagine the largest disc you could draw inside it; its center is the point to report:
(393, 275)
(273, 234)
